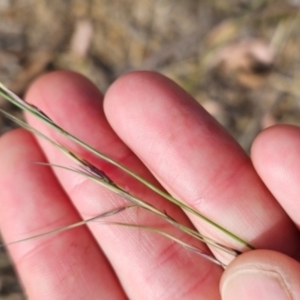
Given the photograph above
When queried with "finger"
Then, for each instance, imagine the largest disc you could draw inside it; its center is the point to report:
(148, 266)
(197, 161)
(275, 155)
(61, 266)
(262, 274)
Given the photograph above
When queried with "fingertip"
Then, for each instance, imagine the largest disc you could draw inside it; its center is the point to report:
(273, 142)
(261, 274)
(275, 156)
(136, 82)
(11, 135)
(13, 140)
(144, 103)
(61, 94)
(71, 100)
(138, 87)
(53, 83)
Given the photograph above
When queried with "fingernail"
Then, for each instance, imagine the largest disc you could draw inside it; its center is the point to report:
(255, 284)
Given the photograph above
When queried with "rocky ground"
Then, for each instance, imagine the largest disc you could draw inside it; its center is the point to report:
(238, 58)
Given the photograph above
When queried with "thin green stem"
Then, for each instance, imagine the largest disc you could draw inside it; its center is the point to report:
(42, 116)
(100, 177)
(172, 238)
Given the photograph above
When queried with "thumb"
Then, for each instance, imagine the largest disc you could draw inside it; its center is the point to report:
(261, 275)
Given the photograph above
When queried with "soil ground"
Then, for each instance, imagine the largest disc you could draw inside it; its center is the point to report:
(238, 58)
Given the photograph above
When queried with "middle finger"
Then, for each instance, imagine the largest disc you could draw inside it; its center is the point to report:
(197, 161)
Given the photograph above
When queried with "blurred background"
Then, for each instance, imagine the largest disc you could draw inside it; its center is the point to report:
(238, 58)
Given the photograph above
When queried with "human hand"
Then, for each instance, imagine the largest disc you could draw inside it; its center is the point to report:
(173, 138)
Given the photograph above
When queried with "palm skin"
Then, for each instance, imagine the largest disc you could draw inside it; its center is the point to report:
(149, 124)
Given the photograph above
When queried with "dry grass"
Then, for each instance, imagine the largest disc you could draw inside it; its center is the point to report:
(183, 40)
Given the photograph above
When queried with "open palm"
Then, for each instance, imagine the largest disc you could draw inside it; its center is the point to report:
(146, 122)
